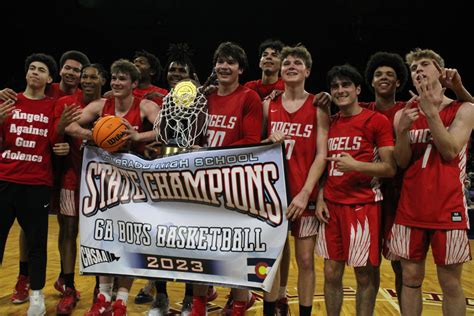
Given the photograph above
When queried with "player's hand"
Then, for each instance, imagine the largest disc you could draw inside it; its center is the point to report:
(429, 98)
(274, 94)
(61, 149)
(8, 94)
(297, 206)
(132, 134)
(6, 108)
(71, 113)
(276, 137)
(152, 150)
(322, 99)
(449, 77)
(322, 212)
(345, 162)
(408, 114)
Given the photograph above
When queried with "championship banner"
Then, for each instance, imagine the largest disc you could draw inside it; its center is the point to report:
(214, 216)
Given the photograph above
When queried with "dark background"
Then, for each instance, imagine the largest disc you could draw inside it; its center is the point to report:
(335, 32)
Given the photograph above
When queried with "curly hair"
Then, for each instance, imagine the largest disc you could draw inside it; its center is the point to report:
(391, 60)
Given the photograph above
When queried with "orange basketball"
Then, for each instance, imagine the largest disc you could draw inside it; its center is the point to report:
(109, 133)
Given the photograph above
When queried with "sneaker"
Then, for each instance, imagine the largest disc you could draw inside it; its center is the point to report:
(187, 307)
(143, 298)
(60, 286)
(21, 293)
(282, 307)
(100, 307)
(211, 294)
(67, 302)
(227, 309)
(119, 308)
(161, 305)
(37, 307)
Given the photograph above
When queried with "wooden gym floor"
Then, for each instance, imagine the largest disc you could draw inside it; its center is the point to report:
(386, 301)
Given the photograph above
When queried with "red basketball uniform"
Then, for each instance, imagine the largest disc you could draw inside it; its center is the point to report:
(54, 91)
(27, 137)
(432, 198)
(301, 126)
(361, 136)
(71, 167)
(140, 93)
(133, 116)
(264, 90)
(234, 119)
(390, 187)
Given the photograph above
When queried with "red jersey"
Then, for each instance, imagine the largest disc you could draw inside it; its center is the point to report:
(264, 90)
(27, 137)
(359, 135)
(234, 119)
(133, 116)
(140, 93)
(72, 165)
(54, 91)
(432, 192)
(301, 126)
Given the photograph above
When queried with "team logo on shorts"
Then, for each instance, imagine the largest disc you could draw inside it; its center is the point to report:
(456, 217)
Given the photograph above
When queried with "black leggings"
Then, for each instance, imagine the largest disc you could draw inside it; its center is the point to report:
(29, 204)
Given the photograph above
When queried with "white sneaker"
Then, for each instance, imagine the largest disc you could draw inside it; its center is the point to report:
(37, 307)
(160, 306)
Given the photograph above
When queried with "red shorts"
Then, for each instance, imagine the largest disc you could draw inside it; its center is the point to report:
(305, 226)
(448, 246)
(352, 234)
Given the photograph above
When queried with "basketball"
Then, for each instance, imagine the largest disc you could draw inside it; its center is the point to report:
(109, 133)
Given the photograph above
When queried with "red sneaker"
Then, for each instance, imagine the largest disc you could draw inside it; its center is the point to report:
(227, 309)
(119, 308)
(67, 302)
(211, 294)
(22, 287)
(100, 307)
(199, 306)
(59, 285)
(282, 307)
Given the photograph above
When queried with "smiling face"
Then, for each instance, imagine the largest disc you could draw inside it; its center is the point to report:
(91, 81)
(294, 70)
(227, 70)
(344, 92)
(176, 73)
(71, 73)
(270, 61)
(385, 81)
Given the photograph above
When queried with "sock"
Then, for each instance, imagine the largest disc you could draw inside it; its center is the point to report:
(122, 295)
(148, 287)
(37, 293)
(106, 290)
(61, 274)
(305, 310)
(199, 305)
(188, 290)
(269, 308)
(97, 282)
(69, 280)
(24, 268)
(238, 308)
(282, 291)
(161, 287)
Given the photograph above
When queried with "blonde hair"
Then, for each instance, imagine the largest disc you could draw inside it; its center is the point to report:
(419, 53)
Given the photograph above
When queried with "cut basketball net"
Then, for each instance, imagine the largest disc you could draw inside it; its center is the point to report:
(109, 133)
(183, 116)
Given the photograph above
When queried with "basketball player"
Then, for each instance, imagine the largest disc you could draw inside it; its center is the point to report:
(71, 63)
(270, 63)
(235, 119)
(292, 117)
(135, 112)
(150, 70)
(432, 132)
(360, 150)
(93, 77)
(28, 134)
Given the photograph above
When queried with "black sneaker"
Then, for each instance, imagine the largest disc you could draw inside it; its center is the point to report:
(143, 298)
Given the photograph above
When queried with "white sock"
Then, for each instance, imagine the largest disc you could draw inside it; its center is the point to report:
(282, 292)
(106, 290)
(122, 295)
(37, 293)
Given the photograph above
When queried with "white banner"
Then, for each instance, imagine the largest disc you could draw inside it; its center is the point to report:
(213, 216)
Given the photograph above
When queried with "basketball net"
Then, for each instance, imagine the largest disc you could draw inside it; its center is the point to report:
(182, 120)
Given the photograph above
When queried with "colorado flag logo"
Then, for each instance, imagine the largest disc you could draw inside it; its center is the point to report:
(258, 268)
